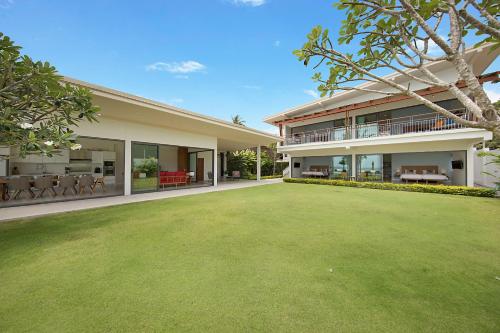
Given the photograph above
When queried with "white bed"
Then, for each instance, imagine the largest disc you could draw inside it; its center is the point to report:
(426, 177)
(424, 173)
(317, 171)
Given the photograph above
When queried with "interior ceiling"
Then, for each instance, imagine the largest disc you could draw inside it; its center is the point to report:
(229, 137)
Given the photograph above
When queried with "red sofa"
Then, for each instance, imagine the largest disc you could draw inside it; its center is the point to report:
(168, 178)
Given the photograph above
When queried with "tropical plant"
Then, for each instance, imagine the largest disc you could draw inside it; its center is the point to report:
(495, 159)
(38, 111)
(149, 166)
(402, 36)
(238, 120)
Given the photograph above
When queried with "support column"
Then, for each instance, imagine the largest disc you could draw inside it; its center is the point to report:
(353, 165)
(215, 171)
(226, 154)
(353, 127)
(258, 162)
(127, 181)
(470, 166)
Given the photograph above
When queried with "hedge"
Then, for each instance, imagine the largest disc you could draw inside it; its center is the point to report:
(254, 177)
(456, 190)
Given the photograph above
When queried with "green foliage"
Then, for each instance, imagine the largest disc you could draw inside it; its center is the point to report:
(238, 120)
(495, 160)
(381, 32)
(244, 161)
(254, 177)
(37, 111)
(456, 190)
(149, 166)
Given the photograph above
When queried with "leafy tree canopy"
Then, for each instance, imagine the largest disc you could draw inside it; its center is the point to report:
(403, 36)
(37, 110)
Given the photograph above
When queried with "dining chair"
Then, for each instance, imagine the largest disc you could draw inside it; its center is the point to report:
(84, 182)
(45, 183)
(99, 181)
(67, 182)
(20, 185)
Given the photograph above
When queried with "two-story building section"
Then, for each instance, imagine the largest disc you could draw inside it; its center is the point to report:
(362, 136)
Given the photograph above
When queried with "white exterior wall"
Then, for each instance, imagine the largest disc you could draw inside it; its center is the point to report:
(483, 169)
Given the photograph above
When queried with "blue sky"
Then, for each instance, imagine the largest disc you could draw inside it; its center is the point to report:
(217, 57)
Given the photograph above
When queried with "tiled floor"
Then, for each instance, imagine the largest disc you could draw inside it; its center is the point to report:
(12, 213)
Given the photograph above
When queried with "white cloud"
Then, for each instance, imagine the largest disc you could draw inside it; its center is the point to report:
(277, 43)
(493, 93)
(176, 101)
(189, 66)
(252, 87)
(251, 3)
(4, 4)
(432, 48)
(311, 93)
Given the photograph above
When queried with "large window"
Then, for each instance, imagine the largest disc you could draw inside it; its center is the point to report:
(341, 167)
(144, 167)
(95, 170)
(164, 167)
(369, 167)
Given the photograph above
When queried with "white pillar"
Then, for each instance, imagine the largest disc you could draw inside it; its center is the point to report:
(215, 171)
(128, 168)
(470, 166)
(226, 154)
(353, 165)
(258, 162)
(353, 127)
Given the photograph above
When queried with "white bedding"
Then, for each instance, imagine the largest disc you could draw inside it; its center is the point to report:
(426, 177)
(314, 173)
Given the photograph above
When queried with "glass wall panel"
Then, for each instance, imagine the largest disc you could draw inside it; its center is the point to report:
(94, 170)
(369, 167)
(341, 167)
(144, 167)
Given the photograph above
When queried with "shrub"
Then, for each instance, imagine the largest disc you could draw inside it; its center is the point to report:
(456, 190)
(254, 177)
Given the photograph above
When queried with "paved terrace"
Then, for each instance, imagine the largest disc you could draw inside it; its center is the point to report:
(12, 213)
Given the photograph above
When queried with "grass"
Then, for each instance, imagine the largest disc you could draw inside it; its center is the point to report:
(258, 259)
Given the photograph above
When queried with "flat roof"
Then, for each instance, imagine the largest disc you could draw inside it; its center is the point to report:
(134, 99)
(480, 65)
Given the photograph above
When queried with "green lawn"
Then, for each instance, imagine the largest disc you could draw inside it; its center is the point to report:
(258, 259)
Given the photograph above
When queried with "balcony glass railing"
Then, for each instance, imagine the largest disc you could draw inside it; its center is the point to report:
(428, 122)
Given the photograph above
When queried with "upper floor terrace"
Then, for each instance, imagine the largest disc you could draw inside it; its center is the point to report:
(362, 127)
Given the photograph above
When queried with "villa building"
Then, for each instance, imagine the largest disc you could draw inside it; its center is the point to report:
(359, 135)
(138, 145)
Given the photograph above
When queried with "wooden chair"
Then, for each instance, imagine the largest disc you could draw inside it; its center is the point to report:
(67, 182)
(45, 183)
(84, 182)
(99, 181)
(20, 185)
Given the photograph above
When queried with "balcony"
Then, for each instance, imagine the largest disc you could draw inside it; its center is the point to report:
(428, 122)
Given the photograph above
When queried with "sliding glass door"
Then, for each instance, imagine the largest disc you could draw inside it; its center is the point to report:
(369, 167)
(341, 167)
(144, 167)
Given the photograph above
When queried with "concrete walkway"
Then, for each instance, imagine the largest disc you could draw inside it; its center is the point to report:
(12, 213)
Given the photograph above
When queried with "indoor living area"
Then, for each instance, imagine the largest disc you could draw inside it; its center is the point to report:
(446, 167)
(159, 167)
(94, 168)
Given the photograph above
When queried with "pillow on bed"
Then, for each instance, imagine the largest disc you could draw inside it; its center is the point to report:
(413, 172)
(424, 172)
(405, 171)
